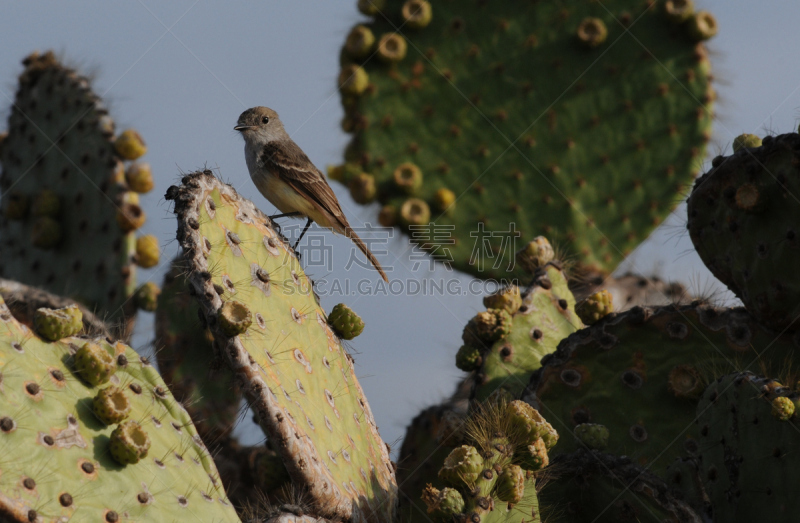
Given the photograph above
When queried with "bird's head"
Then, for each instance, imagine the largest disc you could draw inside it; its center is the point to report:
(261, 124)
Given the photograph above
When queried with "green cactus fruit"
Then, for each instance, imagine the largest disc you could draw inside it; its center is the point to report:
(678, 11)
(782, 408)
(487, 327)
(68, 184)
(702, 26)
(360, 42)
(595, 487)
(371, 7)
(741, 221)
(545, 317)
(111, 405)
(529, 425)
(362, 188)
(94, 364)
(468, 358)
(593, 436)
(147, 296)
(139, 177)
(511, 484)
(414, 211)
(55, 324)
(148, 251)
(353, 80)
(462, 466)
(234, 318)
(64, 466)
(344, 322)
(746, 141)
(188, 361)
(130, 217)
(533, 457)
(303, 389)
(535, 254)
(464, 67)
(592, 32)
(647, 357)
(595, 307)
(443, 504)
(444, 200)
(747, 461)
(392, 47)
(407, 177)
(46, 203)
(130, 145)
(507, 298)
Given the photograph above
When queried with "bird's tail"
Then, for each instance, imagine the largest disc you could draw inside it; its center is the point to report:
(350, 233)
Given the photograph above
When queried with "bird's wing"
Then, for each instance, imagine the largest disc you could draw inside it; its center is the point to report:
(287, 161)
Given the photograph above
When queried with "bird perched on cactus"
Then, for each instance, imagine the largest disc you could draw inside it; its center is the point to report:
(286, 177)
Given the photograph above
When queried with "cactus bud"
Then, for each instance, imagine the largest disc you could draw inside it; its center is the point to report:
(359, 42)
(595, 307)
(703, 26)
(535, 254)
(392, 47)
(147, 296)
(415, 212)
(511, 484)
(746, 141)
(529, 424)
(487, 327)
(443, 504)
(462, 466)
(468, 358)
(782, 408)
(344, 322)
(353, 80)
(592, 32)
(362, 188)
(139, 177)
(130, 216)
(507, 298)
(592, 435)
(417, 13)
(678, 11)
(130, 145)
(444, 200)
(147, 251)
(407, 177)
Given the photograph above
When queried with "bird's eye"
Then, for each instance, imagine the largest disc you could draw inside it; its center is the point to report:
(265, 119)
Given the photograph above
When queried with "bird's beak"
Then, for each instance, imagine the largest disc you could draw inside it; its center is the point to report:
(241, 128)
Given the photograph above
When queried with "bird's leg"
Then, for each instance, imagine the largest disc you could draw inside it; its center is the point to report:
(308, 224)
(284, 215)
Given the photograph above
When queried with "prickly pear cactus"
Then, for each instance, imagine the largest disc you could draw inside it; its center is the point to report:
(67, 213)
(742, 221)
(294, 371)
(540, 320)
(593, 487)
(454, 119)
(748, 458)
(188, 362)
(640, 373)
(492, 477)
(63, 465)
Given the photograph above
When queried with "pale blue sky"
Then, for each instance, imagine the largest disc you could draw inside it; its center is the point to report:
(182, 71)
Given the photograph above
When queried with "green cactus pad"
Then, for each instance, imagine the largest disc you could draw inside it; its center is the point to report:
(59, 155)
(292, 368)
(61, 467)
(637, 373)
(591, 486)
(545, 317)
(501, 104)
(188, 362)
(748, 460)
(743, 223)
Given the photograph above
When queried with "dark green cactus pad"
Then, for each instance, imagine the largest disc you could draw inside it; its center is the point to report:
(500, 103)
(640, 373)
(593, 487)
(748, 458)
(743, 221)
(60, 146)
(547, 316)
(293, 370)
(196, 375)
(57, 464)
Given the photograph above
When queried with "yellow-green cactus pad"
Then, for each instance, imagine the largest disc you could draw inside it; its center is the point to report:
(292, 368)
(59, 463)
